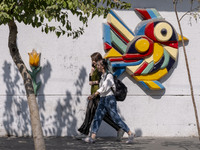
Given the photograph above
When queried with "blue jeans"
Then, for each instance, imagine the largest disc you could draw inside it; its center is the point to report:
(108, 104)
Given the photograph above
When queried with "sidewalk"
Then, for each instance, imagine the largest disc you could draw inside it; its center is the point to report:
(107, 143)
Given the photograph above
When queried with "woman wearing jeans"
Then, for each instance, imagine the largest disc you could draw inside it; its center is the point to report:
(95, 77)
(107, 103)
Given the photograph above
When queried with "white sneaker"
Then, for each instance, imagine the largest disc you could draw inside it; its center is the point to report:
(130, 138)
(89, 140)
(120, 134)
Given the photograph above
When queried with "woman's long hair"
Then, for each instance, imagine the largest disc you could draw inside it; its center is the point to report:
(96, 56)
(104, 63)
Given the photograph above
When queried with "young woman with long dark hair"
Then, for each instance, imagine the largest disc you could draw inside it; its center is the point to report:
(107, 103)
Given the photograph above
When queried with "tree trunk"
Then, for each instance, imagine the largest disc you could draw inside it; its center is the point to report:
(188, 69)
(33, 107)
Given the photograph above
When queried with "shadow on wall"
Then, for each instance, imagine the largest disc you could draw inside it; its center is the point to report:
(19, 125)
(45, 74)
(14, 105)
(64, 118)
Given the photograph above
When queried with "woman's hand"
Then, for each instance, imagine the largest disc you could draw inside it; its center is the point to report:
(91, 83)
(91, 97)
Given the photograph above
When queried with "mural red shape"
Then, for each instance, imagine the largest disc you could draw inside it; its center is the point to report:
(107, 46)
(143, 13)
(139, 71)
(119, 34)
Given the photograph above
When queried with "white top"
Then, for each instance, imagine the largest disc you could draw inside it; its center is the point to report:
(106, 84)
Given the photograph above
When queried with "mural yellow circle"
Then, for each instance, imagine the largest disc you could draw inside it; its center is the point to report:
(163, 32)
(142, 45)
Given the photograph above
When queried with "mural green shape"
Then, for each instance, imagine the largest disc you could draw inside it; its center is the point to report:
(34, 59)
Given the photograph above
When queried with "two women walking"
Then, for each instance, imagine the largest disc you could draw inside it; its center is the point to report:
(102, 103)
(92, 105)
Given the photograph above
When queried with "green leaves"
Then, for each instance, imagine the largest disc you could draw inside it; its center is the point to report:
(58, 34)
(41, 13)
(70, 4)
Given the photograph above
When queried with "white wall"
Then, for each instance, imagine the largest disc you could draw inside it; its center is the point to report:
(65, 67)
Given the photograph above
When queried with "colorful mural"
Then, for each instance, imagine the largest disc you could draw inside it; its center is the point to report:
(148, 53)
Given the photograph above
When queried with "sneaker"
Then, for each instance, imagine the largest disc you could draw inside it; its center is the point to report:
(130, 138)
(120, 134)
(80, 137)
(89, 140)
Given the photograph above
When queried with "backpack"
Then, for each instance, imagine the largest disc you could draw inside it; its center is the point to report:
(121, 89)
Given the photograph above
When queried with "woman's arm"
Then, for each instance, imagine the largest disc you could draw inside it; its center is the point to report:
(93, 82)
(90, 78)
(107, 84)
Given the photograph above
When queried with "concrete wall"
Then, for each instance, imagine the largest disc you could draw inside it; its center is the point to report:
(65, 67)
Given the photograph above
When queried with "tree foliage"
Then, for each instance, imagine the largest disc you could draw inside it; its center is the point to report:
(194, 10)
(37, 12)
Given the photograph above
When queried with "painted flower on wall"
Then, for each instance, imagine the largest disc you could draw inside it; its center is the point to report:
(34, 61)
(34, 58)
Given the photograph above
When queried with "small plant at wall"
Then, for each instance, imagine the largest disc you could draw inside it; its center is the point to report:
(34, 61)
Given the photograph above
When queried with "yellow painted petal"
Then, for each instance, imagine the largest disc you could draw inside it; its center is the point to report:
(37, 60)
(31, 60)
(34, 53)
(34, 58)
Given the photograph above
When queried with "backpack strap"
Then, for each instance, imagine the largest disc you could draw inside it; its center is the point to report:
(107, 74)
(114, 83)
(113, 80)
(112, 90)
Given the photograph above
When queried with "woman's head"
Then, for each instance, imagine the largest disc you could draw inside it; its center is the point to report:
(102, 65)
(95, 57)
